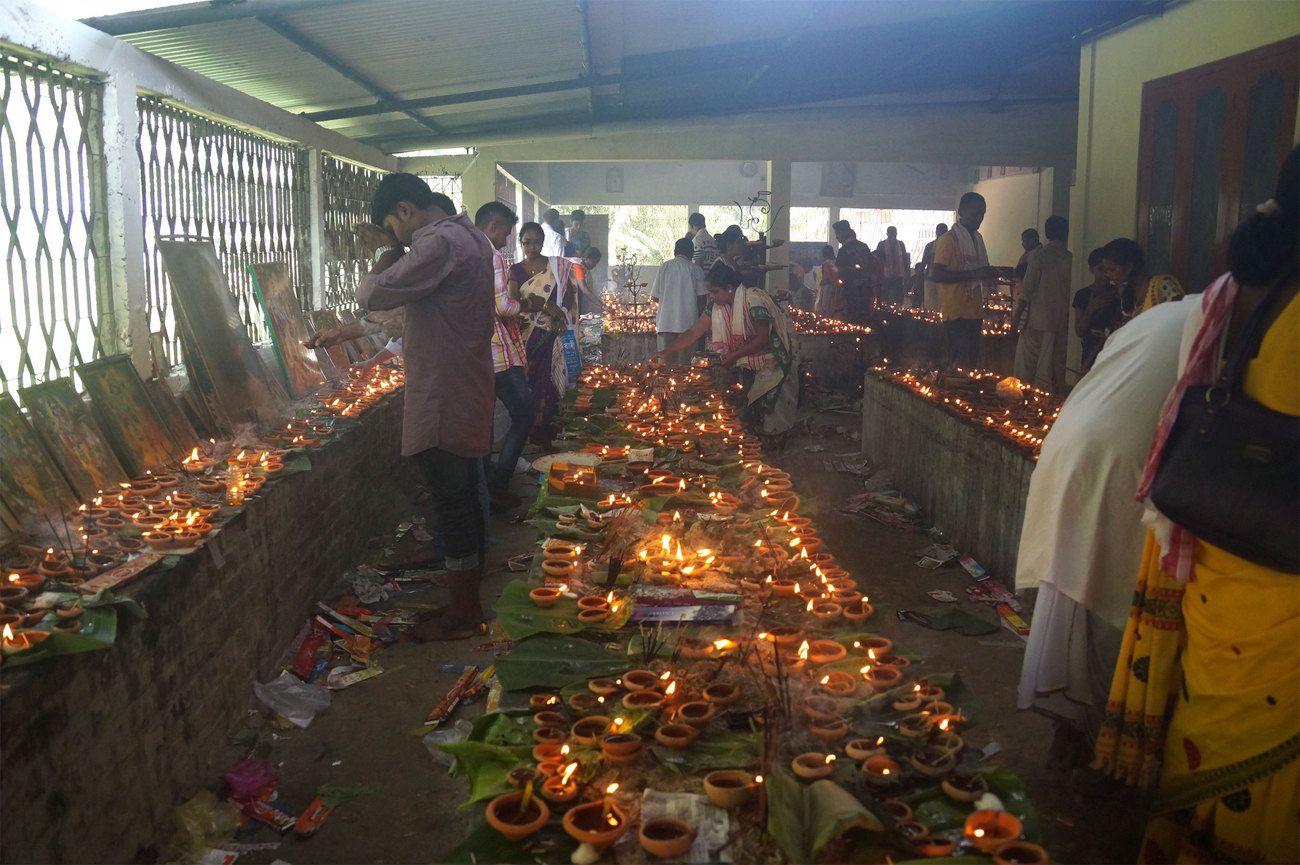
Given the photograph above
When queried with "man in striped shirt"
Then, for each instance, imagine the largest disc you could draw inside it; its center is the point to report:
(706, 248)
(509, 362)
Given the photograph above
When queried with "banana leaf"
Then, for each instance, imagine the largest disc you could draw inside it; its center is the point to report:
(936, 811)
(713, 751)
(486, 766)
(485, 844)
(804, 819)
(520, 618)
(504, 729)
(551, 661)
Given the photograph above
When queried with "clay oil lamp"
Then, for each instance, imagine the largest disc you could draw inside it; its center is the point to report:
(666, 837)
(989, 830)
(11, 619)
(930, 694)
(592, 616)
(881, 679)
(520, 776)
(561, 788)
(542, 702)
(892, 660)
(160, 540)
(548, 735)
(825, 612)
(696, 713)
(547, 752)
(165, 481)
(620, 749)
(181, 500)
(148, 521)
(54, 564)
(589, 729)
(549, 718)
(583, 703)
(845, 597)
(784, 636)
(32, 582)
(68, 609)
(898, 810)
(677, 736)
(820, 709)
(858, 612)
(195, 463)
(812, 766)
(545, 597)
(207, 511)
(825, 652)
(1020, 853)
(212, 485)
(12, 642)
(721, 694)
(940, 709)
(829, 732)
(592, 602)
(881, 770)
(910, 830)
(944, 738)
(934, 846)
(909, 702)
(517, 815)
(915, 726)
(647, 699)
(144, 487)
(130, 545)
(12, 595)
(639, 680)
(933, 762)
(864, 749)
(965, 788)
(838, 683)
(693, 649)
(878, 645)
(599, 823)
(731, 788)
(784, 588)
(838, 581)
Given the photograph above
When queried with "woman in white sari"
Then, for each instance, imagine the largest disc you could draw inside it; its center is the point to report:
(748, 330)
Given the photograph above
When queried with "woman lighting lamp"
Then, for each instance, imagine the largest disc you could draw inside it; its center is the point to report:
(750, 332)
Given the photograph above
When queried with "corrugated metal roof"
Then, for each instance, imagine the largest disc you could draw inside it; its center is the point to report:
(249, 56)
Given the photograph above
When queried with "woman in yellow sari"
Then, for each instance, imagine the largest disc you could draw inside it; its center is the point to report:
(1124, 264)
(1204, 705)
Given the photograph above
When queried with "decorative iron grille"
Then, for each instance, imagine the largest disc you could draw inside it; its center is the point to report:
(247, 193)
(58, 312)
(346, 189)
(449, 185)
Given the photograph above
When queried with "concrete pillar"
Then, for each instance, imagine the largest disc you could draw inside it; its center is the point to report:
(778, 220)
(130, 325)
(316, 228)
(478, 182)
(832, 217)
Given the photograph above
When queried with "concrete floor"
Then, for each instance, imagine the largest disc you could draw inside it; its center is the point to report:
(371, 735)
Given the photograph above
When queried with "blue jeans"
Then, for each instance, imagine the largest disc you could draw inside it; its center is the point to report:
(460, 506)
(513, 392)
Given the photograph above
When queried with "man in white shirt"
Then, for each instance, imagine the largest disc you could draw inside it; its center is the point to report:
(705, 247)
(679, 288)
(553, 232)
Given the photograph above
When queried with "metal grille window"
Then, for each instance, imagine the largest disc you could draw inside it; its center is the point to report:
(449, 185)
(249, 194)
(347, 190)
(58, 310)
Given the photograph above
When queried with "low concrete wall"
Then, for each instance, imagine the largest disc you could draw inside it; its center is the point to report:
(971, 484)
(99, 748)
(837, 360)
(621, 348)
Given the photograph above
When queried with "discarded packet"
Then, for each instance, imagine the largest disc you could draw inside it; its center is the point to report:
(943, 596)
(264, 812)
(975, 569)
(928, 563)
(451, 699)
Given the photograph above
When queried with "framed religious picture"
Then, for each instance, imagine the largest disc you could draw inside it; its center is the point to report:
(328, 319)
(169, 412)
(126, 415)
(32, 488)
(219, 354)
(65, 425)
(288, 326)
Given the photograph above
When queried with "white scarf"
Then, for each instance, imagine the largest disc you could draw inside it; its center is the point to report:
(970, 245)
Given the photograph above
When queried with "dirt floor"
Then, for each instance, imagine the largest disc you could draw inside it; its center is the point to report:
(371, 735)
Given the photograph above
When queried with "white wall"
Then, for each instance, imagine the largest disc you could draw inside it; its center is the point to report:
(1015, 202)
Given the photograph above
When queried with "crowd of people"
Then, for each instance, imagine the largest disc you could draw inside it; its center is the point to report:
(1162, 532)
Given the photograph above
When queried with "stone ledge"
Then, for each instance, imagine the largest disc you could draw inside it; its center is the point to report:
(99, 748)
(970, 484)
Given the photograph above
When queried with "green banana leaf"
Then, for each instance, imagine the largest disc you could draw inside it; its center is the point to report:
(713, 751)
(551, 661)
(936, 811)
(803, 819)
(486, 766)
(520, 618)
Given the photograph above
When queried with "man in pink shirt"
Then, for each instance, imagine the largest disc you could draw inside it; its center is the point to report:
(444, 283)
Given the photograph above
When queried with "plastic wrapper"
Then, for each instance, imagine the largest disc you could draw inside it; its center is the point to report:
(293, 698)
(201, 823)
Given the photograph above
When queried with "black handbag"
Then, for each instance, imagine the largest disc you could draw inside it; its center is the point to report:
(1231, 468)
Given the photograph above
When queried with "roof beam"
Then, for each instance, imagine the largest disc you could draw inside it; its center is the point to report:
(585, 82)
(333, 61)
(171, 17)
